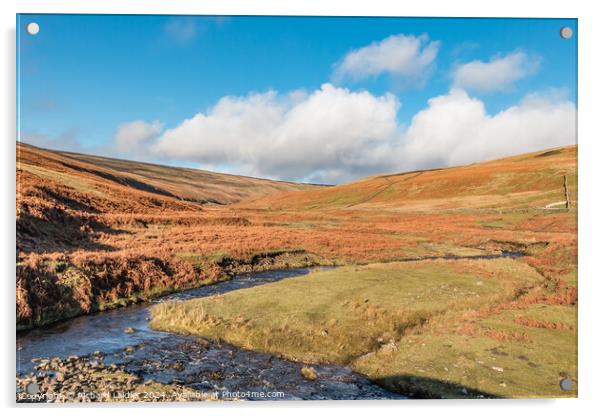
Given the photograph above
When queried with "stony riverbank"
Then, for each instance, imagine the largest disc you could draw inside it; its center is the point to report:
(189, 369)
(89, 379)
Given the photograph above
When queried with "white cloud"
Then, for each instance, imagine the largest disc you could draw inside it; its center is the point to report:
(456, 129)
(293, 136)
(409, 59)
(135, 136)
(499, 74)
(333, 135)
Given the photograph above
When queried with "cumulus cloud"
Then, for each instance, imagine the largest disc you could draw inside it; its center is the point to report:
(136, 136)
(408, 59)
(334, 135)
(293, 136)
(499, 74)
(456, 129)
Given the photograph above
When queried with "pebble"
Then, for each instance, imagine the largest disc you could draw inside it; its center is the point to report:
(309, 373)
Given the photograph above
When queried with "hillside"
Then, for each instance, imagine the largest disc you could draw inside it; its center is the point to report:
(533, 180)
(192, 185)
(93, 232)
(65, 200)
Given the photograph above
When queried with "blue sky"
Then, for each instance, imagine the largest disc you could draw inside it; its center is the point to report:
(83, 77)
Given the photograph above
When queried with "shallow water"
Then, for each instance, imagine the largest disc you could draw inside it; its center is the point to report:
(210, 366)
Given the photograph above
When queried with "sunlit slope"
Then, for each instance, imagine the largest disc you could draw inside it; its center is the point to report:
(180, 183)
(533, 180)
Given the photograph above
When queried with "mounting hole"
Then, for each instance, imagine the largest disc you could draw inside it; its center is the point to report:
(32, 388)
(33, 28)
(566, 32)
(566, 384)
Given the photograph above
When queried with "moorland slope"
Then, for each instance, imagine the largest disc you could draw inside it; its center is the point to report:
(532, 180)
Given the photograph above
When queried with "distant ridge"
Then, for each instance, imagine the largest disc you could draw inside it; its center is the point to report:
(531, 180)
(187, 184)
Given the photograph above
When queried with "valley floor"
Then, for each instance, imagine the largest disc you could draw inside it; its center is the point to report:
(436, 328)
(89, 239)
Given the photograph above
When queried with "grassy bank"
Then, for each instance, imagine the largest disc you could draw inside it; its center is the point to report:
(517, 353)
(88, 285)
(462, 328)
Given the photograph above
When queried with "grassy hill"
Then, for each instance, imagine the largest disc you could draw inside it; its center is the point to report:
(192, 185)
(532, 180)
(67, 197)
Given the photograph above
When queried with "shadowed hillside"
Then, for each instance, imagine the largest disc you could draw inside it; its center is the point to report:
(192, 185)
(64, 198)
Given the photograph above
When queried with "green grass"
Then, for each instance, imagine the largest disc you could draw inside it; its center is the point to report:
(374, 318)
(457, 365)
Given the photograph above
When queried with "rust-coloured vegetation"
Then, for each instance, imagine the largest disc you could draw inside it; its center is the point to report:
(94, 233)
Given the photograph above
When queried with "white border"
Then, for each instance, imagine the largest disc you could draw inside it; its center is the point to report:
(590, 201)
(458, 8)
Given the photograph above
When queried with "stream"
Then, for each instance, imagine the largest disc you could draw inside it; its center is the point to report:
(200, 364)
